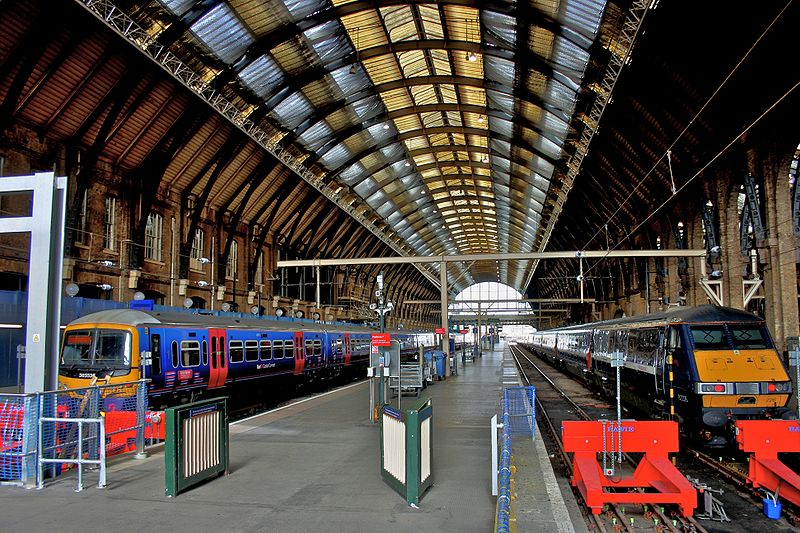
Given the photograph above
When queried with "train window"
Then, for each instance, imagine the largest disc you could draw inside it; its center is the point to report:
(174, 354)
(338, 346)
(266, 350)
(309, 347)
(213, 352)
(251, 350)
(155, 351)
(749, 338)
(277, 349)
(288, 349)
(317, 347)
(709, 337)
(190, 353)
(236, 351)
(205, 353)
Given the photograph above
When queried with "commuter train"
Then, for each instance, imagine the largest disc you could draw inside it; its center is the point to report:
(710, 365)
(186, 356)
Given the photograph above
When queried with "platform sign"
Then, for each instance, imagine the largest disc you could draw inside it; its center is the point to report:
(439, 331)
(381, 339)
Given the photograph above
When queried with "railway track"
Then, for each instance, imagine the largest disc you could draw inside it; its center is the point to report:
(562, 397)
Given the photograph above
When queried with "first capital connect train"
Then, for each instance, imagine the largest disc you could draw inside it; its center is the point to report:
(186, 355)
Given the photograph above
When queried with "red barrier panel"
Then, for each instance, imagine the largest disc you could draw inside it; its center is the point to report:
(763, 439)
(122, 439)
(655, 472)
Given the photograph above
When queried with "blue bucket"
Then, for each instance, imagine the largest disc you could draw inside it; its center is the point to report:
(772, 508)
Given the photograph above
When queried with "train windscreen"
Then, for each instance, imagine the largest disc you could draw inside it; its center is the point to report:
(749, 338)
(96, 350)
(709, 337)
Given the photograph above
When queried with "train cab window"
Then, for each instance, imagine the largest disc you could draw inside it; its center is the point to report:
(277, 349)
(288, 349)
(155, 357)
(236, 351)
(749, 338)
(709, 337)
(205, 353)
(174, 354)
(251, 350)
(266, 350)
(190, 353)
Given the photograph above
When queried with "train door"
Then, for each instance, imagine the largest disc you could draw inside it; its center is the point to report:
(661, 358)
(299, 353)
(347, 352)
(218, 363)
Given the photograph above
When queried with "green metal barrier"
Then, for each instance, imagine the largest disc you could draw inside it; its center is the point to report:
(196, 448)
(407, 449)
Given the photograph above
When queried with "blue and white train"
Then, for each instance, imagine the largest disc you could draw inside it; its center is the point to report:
(186, 356)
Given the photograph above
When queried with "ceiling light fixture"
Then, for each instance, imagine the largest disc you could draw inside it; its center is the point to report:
(472, 57)
(386, 125)
(408, 164)
(481, 120)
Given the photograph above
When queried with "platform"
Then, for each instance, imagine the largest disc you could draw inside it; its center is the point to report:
(314, 466)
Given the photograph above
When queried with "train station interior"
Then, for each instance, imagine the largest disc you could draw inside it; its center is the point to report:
(361, 221)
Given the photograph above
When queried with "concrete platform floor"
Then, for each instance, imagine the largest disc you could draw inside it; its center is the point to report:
(311, 466)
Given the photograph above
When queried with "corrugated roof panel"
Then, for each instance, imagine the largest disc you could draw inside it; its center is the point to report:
(382, 69)
(541, 41)
(472, 96)
(407, 123)
(262, 76)
(413, 63)
(424, 94)
(441, 62)
(349, 80)
(223, 33)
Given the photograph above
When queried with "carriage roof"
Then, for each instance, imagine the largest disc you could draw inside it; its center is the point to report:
(132, 317)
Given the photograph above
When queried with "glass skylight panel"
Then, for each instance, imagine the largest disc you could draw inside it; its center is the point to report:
(301, 9)
(178, 7)
(316, 136)
(328, 41)
(222, 32)
(336, 156)
(353, 173)
(379, 133)
(262, 76)
(366, 188)
(569, 57)
(502, 126)
(554, 125)
(501, 25)
(583, 15)
(293, 110)
(366, 107)
(499, 70)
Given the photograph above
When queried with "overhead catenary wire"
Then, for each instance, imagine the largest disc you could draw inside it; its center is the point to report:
(691, 123)
(667, 153)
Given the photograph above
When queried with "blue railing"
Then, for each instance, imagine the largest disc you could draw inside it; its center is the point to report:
(518, 419)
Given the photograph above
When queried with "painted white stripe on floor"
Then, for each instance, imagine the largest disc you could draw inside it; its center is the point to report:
(559, 508)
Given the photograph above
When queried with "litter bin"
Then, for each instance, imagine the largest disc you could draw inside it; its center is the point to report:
(438, 357)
